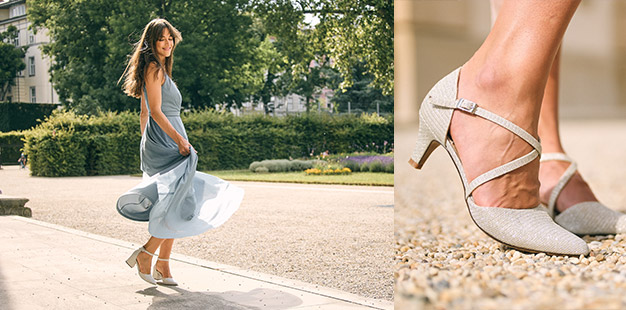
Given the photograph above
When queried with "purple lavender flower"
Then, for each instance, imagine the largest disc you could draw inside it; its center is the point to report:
(368, 159)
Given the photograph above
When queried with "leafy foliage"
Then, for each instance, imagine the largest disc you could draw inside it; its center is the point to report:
(361, 96)
(91, 39)
(349, 32)
(21, 116)
(283, 165)
(67, 144)
(11, 60)
(70, 144)
(10, 146)
(233, 51)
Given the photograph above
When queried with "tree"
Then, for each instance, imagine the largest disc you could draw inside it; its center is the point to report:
(11, 60)
(361, 96)
(272, 66)
(349, 32)
(359, 31)
(90, 41)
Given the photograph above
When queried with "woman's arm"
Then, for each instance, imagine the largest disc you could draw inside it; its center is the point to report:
(153, 86)
(143, 116)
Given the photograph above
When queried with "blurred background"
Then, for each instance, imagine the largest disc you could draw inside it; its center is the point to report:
(432, 38)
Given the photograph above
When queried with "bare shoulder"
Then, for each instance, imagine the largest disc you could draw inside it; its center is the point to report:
(154, 74)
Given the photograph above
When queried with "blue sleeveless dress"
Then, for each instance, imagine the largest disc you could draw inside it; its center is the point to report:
(173, 197)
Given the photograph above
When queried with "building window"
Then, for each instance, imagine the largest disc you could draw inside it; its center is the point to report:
(33, 95)
(31, 38)
(31, 66)
(18, 10)
(16, 41)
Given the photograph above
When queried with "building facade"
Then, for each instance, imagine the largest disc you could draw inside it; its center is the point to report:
(33, 83)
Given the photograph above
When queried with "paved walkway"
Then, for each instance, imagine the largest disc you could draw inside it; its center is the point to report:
(333, 236)
(46, 266)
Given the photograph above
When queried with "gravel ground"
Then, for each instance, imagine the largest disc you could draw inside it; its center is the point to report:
(334, 236)
(443, 261)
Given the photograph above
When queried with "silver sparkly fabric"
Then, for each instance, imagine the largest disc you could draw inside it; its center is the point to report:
(592, 218)
(585, 218)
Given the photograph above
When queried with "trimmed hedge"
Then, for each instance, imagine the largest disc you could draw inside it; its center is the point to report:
(22, 116)
(11, 147)
(68, 144)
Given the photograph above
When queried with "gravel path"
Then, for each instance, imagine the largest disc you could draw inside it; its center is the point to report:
(334, 236)
(443, 261)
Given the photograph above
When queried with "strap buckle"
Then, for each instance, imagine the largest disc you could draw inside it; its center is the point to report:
(466, 106)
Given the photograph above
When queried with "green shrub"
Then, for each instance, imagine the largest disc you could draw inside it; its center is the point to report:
(59, 153)
(70, 145)
(11, 145)
(109, 143)
(301, 165)
(261, 170)
(389, 168)
(284, 165)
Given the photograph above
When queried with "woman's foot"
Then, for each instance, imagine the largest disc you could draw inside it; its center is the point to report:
(144, 260)
(164, 268)
(483, 145)
(574, 192)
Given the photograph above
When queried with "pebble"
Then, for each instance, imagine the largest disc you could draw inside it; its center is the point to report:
(517, 280)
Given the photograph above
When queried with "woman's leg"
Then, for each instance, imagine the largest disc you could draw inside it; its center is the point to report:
(145, 260)
(508, 75)
(164, 266)
(577, 189)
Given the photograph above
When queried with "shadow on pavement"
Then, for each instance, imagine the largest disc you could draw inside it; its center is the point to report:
(5, 302)
(230, 300)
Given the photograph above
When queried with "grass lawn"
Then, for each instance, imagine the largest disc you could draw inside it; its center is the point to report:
(357, 178)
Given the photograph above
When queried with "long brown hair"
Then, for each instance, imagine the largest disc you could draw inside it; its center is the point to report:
(144, 54)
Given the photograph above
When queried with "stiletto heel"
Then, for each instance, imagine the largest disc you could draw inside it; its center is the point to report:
(425, 145)
(531, 230)
(158, 276)
(585, 218)
(132, 261)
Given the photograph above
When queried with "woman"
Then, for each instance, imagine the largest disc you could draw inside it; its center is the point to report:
(175, 199)
(486, 116)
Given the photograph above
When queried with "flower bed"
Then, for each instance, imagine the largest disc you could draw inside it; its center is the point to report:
(327, 171)
(368, 163)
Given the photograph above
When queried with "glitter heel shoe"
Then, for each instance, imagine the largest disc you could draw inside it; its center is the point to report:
(530, 230)
(585, 218)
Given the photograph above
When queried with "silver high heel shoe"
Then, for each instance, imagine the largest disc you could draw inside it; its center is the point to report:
(132, 261)
(585, 218)
(530, 230)
(158, 276)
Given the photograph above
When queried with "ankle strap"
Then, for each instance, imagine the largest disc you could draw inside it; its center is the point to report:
(556, 156)
(560, 185)
(164, 259)
(146, 251)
